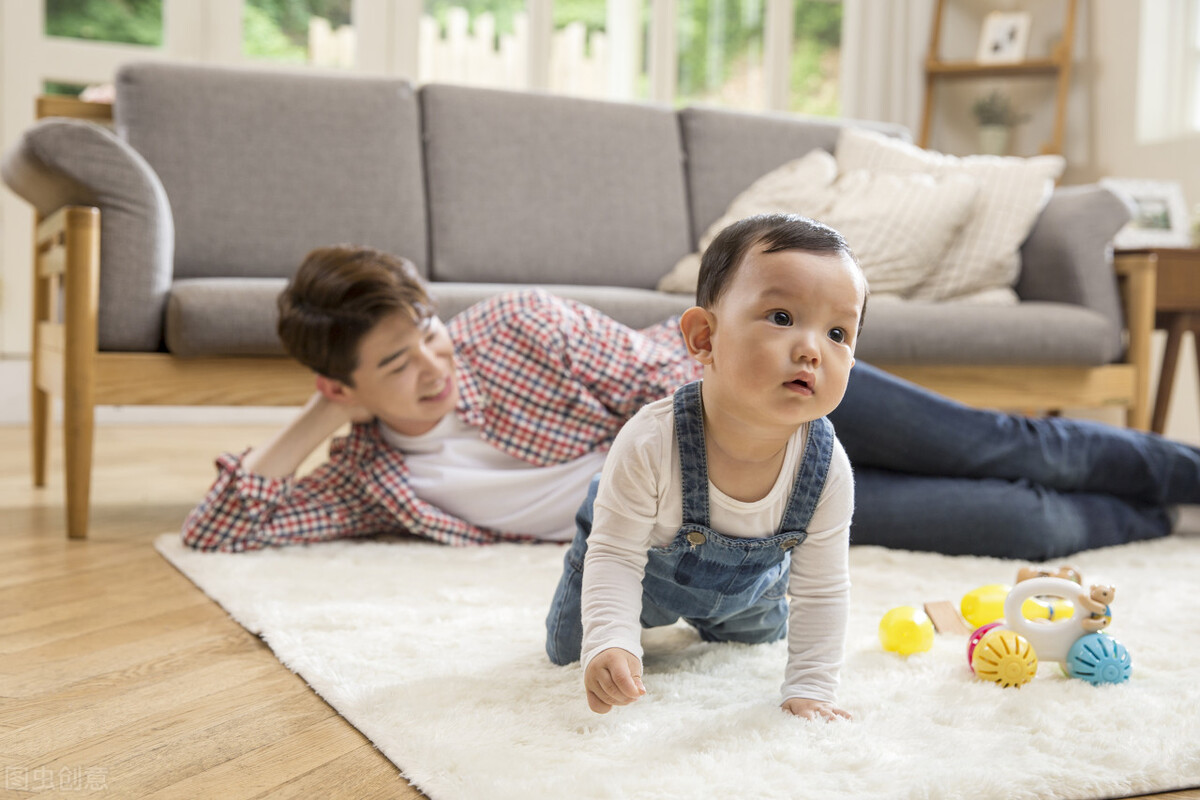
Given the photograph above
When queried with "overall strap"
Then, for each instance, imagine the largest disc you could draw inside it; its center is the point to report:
(693, 459)
(810, 478)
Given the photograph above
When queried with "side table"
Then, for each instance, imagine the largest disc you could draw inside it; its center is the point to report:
(1177, 311)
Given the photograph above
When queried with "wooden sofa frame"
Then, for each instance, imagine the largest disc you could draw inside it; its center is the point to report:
(67, 363)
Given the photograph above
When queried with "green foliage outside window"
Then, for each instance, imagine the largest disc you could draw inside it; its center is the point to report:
(277, 30)
(720, 42)
(125, 21)
(816, 44)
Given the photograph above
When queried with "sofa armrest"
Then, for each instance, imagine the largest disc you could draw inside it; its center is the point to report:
(1068, 255)
(61, 162)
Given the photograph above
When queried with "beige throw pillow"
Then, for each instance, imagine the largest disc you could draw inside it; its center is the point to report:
(984, 261)
(898, 226)
(800, 184)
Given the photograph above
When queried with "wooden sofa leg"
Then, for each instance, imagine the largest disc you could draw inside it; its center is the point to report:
(39, 419)
(39, 398)
(1139, 279)
(81, 298)
(78, 435)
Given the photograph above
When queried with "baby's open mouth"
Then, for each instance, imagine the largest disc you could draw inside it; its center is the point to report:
(803, 385)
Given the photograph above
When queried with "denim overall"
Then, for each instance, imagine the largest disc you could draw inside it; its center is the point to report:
(729, 589)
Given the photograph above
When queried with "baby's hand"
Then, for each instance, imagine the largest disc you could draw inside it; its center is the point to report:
(613, 678)
(814, 709)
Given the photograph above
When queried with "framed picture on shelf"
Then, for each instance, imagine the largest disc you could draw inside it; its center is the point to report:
(1004, 38)
(1160, 215)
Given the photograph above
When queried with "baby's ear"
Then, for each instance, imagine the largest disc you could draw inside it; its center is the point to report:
(696, 325)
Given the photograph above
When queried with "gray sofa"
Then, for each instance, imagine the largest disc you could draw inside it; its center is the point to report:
(213, 184)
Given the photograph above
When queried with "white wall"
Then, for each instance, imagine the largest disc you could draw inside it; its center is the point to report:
(1101, 132)
(1113, 87)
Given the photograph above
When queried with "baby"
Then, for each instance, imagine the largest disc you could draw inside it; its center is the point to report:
(716, 504)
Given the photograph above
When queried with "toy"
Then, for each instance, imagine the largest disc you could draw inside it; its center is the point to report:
(1065, 571)
(974, 640)
(905, 630)
(1004, 657)
(1008, 652)
(986, 603)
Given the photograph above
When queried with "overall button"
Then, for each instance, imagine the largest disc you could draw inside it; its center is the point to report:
(696, 538)
(788, 544)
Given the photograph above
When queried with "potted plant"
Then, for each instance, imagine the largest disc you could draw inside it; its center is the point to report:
(997, 117)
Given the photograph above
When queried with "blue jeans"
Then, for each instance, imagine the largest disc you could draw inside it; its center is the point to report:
(932, 474)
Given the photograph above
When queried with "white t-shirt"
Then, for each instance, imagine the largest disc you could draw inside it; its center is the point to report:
(455, 470)
(640, 505)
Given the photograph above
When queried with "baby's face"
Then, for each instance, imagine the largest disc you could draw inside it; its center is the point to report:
(784, 336)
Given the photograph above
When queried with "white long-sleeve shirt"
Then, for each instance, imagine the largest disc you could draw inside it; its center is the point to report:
(640, 506)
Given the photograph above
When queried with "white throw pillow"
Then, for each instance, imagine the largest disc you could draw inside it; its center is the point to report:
(985, 257)
(897, 225)
(799, 184)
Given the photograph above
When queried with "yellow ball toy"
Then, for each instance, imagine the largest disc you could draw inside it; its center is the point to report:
(1004, 657)
(985, 604)
(906, 630)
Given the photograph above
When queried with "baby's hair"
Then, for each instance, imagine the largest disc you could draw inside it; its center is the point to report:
(775, 232)
(339, 294)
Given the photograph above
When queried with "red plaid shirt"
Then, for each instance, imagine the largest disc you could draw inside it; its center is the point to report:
(544, 379)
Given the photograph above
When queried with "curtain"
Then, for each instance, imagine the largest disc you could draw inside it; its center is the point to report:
(884, 44)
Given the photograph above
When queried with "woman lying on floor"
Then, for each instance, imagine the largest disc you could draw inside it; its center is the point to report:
(491, 427)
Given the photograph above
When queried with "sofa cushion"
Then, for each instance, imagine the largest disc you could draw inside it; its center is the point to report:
(61, 162)
(237, 316)
(913, 332)
(224, 317)
(228, 316)
(1012, 192)
(528, 188)
(729, 150)
(261, 167)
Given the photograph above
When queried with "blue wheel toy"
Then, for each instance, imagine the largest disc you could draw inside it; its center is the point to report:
(1098, 658)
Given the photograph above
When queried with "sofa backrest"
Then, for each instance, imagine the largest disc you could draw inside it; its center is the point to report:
(729, 150)
(260, 167)
(531, 188)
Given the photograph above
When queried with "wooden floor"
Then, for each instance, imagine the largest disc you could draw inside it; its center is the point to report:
(118, 677)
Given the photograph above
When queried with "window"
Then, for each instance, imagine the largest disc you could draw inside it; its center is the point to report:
(125, 21)
(316, 32)
(1168, 101)
(477, 42)
(816, 54)
(720, 53)
(598, 49)
(749, 54)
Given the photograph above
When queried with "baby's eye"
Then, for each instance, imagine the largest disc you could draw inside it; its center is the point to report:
(781, 318)
(838, 335)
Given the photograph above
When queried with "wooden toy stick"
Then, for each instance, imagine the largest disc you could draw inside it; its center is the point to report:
(945, 617)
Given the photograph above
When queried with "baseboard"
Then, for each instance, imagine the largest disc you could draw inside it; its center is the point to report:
(14, 407)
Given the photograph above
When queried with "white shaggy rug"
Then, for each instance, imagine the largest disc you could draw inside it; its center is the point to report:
(436, 655)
